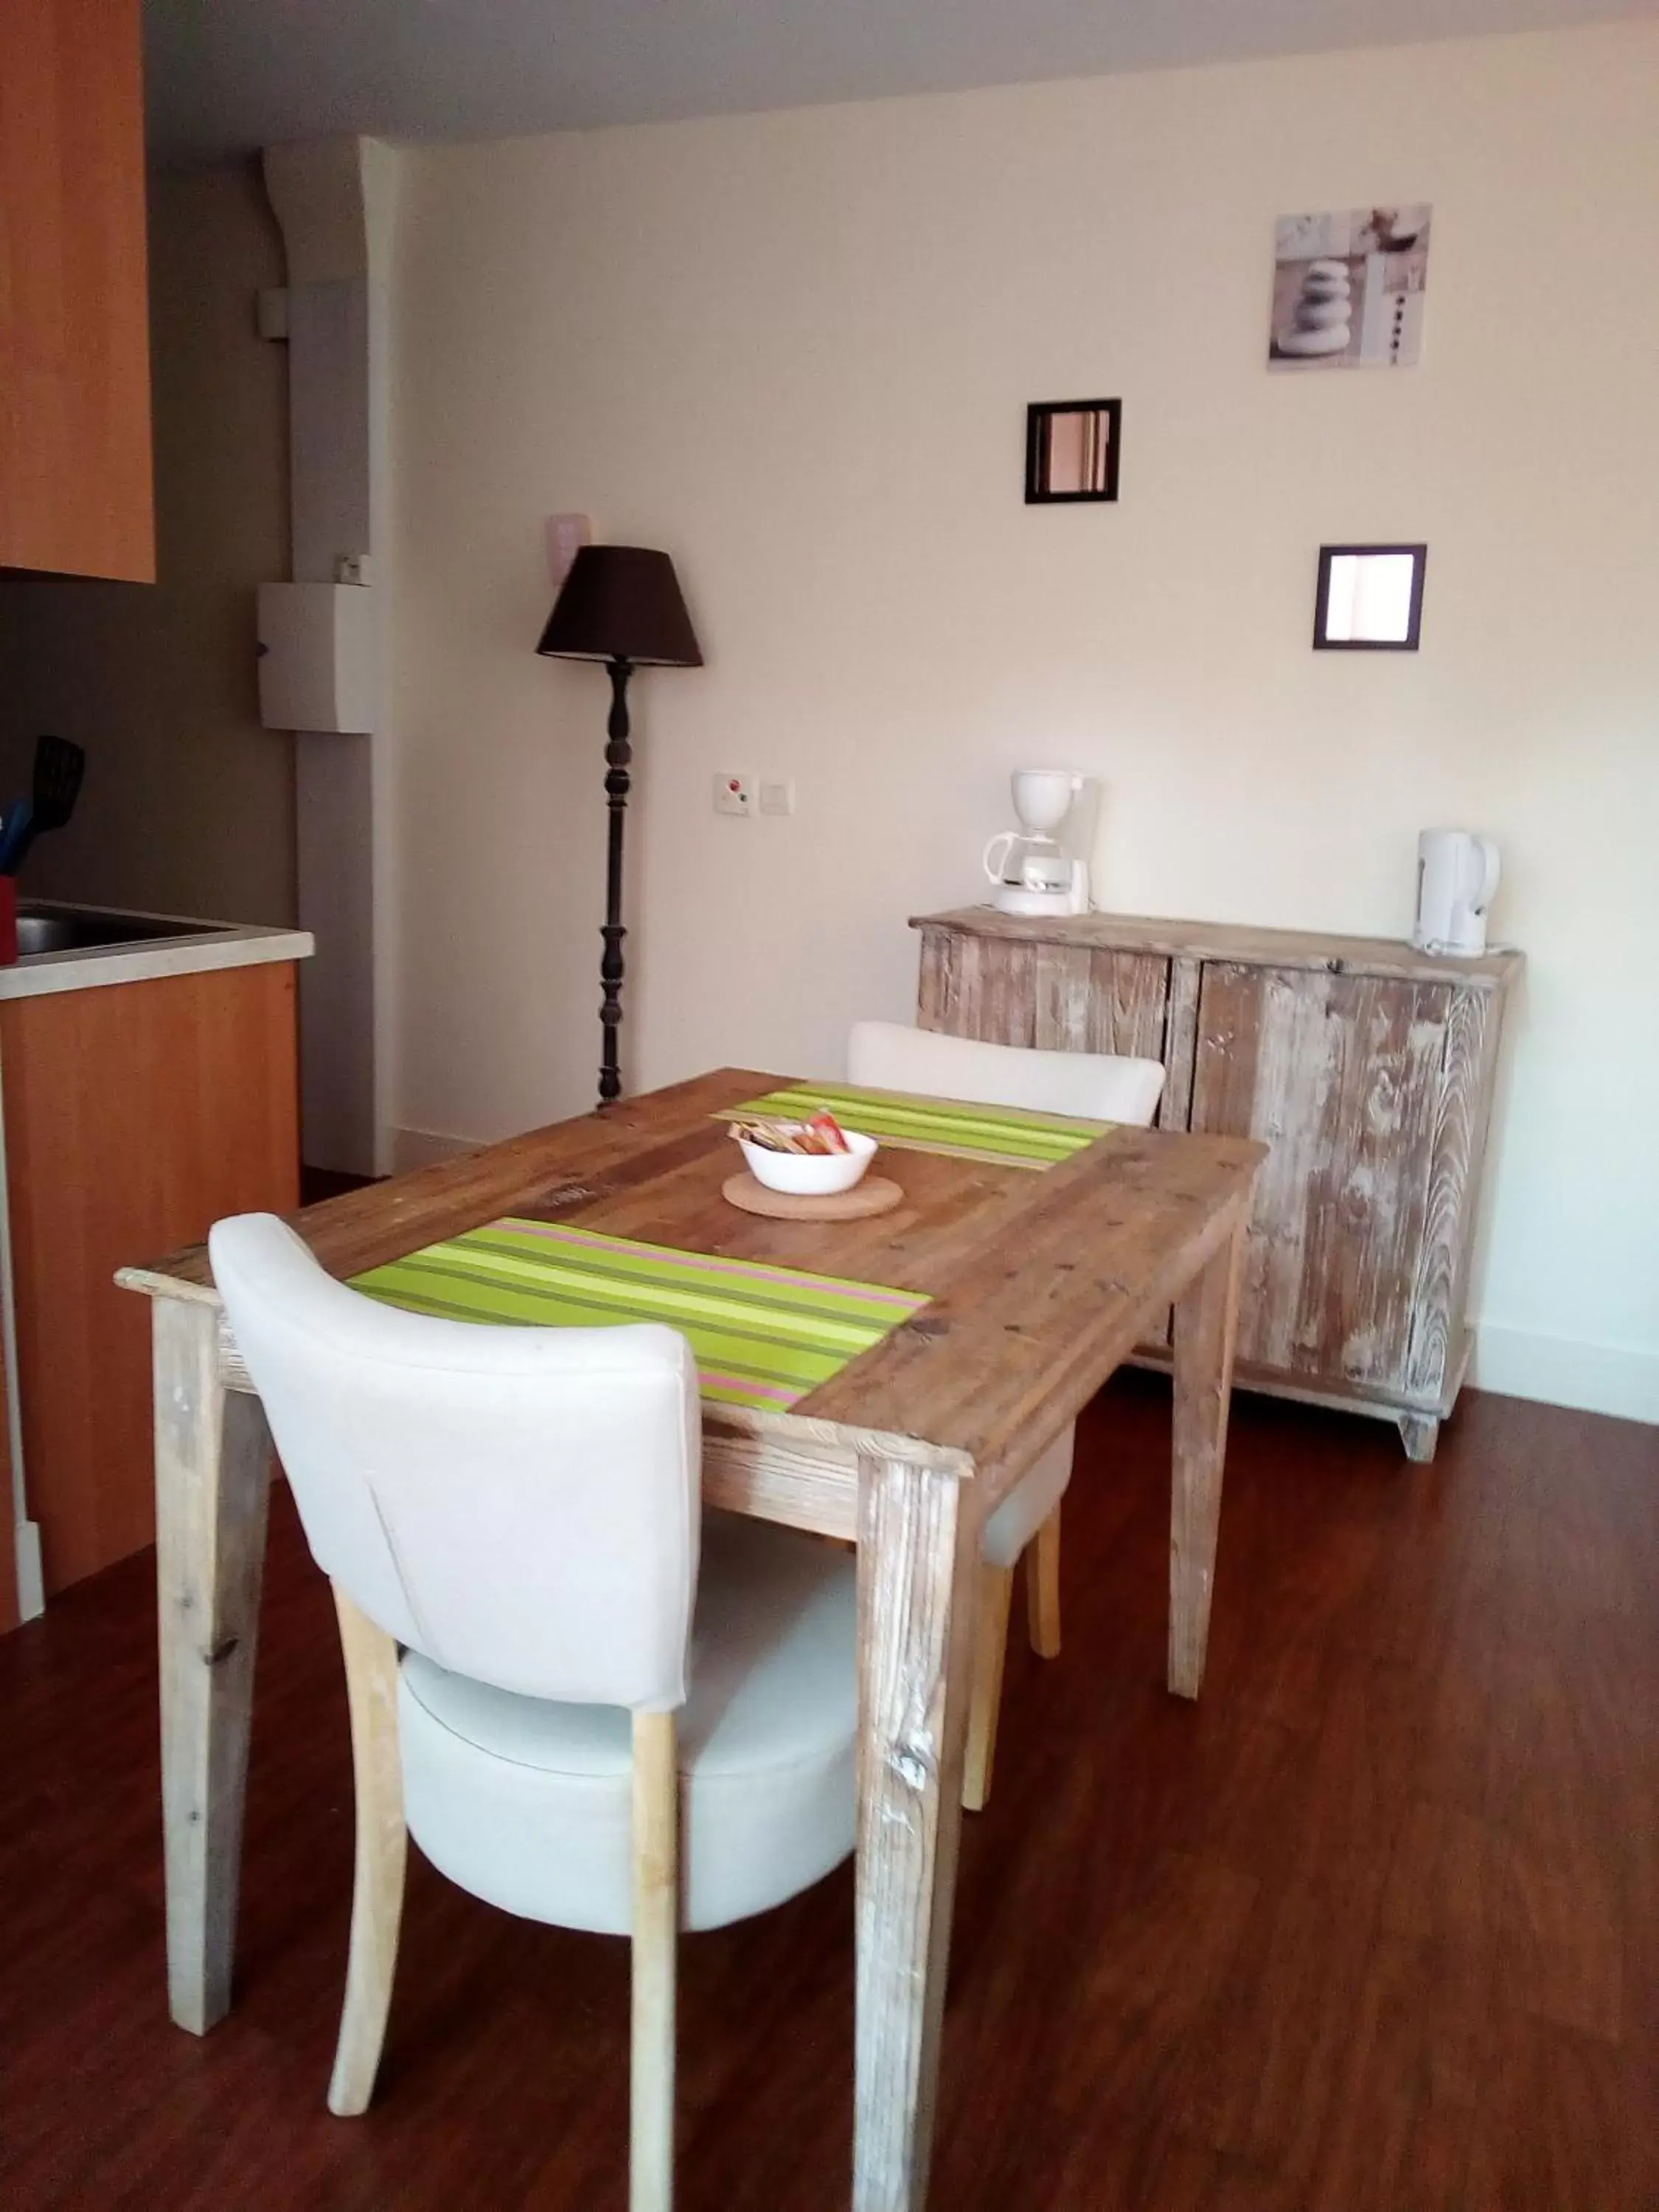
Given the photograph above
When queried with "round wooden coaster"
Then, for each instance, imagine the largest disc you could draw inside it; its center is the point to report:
(875, 1195)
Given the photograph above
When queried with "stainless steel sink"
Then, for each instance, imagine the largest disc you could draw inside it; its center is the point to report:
(42, 928)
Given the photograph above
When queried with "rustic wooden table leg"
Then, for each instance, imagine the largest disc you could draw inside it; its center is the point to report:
(212, 1482)
(1206, 1323)
(916, 1566)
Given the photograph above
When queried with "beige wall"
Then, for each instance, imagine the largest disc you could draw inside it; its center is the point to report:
(188, 805)
(796, 350)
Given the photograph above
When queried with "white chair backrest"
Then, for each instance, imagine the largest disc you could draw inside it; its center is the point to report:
(523, 1505)
(1099, 1086)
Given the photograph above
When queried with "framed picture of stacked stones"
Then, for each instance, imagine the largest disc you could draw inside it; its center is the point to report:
(1348, 289)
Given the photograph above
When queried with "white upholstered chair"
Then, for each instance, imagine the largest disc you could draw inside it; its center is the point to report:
(610, 1714)
(1096, 1086)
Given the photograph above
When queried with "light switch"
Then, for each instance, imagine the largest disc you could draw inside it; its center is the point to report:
(567, 534)
(777, 798)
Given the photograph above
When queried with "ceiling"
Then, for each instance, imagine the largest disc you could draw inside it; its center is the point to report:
(227, 76)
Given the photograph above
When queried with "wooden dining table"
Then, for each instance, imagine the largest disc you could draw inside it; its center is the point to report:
(1039, 1284)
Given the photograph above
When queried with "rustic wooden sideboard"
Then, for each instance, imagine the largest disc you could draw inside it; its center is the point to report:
(1367, 1066)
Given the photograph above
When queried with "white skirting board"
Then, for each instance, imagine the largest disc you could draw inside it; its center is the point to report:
(419, 1148)
(31, 1583)
(1620, 1379)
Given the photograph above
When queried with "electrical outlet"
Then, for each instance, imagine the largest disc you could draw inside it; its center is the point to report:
(352, 568)
(734, 794)
(777, 798)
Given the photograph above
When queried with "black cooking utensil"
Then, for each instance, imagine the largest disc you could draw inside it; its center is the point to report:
(58, 768)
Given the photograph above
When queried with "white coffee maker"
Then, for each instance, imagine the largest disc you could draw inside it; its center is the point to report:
(1035, 871)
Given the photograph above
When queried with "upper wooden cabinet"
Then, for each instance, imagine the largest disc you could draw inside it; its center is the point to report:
(75, 416)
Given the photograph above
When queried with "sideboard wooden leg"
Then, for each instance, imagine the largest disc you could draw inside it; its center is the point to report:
(1419, 1433)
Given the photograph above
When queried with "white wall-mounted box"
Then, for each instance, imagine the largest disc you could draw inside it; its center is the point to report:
(317, 657)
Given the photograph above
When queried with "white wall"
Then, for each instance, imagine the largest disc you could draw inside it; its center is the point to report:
(796, 350)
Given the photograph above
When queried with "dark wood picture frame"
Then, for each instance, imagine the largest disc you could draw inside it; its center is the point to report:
(1409, 643)
(1039, 429)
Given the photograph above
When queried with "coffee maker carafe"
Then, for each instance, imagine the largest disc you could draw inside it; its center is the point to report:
(1033, 870)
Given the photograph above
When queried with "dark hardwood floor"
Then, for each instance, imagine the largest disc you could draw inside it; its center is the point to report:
(1375, 1925)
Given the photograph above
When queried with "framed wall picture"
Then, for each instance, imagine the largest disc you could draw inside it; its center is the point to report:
(1349, 288)
(1369, 598)
(1072, 450)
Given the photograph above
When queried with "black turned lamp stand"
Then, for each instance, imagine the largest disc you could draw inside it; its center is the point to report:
(620, 604)
(618, 757)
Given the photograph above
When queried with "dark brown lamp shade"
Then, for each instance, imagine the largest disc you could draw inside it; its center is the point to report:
(621, 603)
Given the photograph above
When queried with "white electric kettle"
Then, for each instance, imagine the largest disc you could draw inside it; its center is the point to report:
(1456, 876)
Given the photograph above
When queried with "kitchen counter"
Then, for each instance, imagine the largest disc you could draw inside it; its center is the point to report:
(198, 947)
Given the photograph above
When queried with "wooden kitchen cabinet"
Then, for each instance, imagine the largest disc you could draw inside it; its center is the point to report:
(75, 492)
(137, 1113)
(1366, 1067)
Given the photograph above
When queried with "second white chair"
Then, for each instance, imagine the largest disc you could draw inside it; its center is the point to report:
(609, 1714)
(1093, 1086)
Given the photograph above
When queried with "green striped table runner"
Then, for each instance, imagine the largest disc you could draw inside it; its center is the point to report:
(1006, 1134)
(763, 1336)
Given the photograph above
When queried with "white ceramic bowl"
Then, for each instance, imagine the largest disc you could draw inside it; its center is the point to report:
(810, 1175)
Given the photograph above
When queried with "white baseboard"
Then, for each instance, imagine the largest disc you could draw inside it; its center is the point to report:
(419, 1148)
(1561, 1371)
(31, 1583)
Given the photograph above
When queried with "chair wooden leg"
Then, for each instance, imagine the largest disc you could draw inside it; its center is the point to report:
(996, 1590)
(656, 1934)
(377, 1895)
(1042, 1589)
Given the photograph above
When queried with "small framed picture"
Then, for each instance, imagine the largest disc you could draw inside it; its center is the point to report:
(1072, 450)
(1369, 598)
(1349, 288)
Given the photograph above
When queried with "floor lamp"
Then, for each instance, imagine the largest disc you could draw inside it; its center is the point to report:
(620, 604)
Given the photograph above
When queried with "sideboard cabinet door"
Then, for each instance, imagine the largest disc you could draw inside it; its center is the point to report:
(1341, 1075)
(1060, 998)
